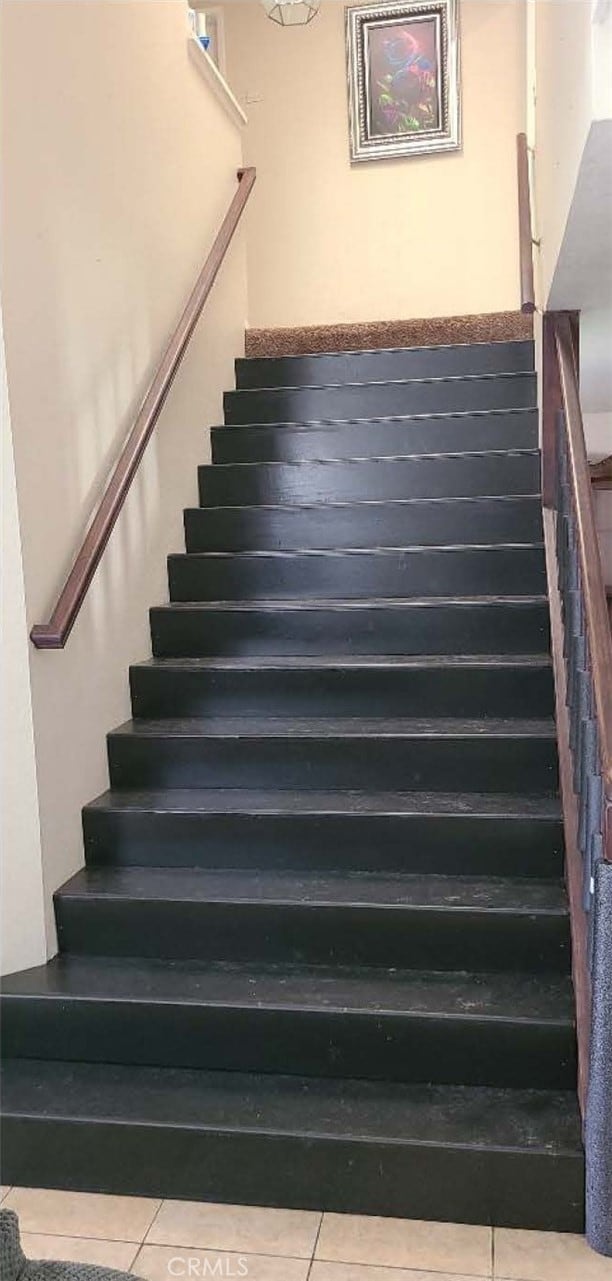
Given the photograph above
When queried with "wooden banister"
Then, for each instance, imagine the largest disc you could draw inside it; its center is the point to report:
(594, 592)
(582, 657)
(524, 218)
(601, 473)
(54, 634)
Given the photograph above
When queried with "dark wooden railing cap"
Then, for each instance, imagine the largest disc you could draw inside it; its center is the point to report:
(525, 223)
(55, 633)
(594, 592)
(601, 473)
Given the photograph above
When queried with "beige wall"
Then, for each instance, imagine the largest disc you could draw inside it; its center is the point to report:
(572, 57)
(117, 167)
(563, 115)
(573, 188)
(22, 914)
(332, 242)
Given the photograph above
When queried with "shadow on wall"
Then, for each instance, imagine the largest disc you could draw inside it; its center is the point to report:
(110, 208)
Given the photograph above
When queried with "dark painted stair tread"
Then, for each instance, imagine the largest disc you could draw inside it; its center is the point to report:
(387, 685)
(355, 662)
(390, 571)
(343, 752)
(441, 417)
(452, 893)
(492, 376)
(333, 727)
(368, 465)
(341, 603)
(221, 938)
(377, 436)
(337, 1144)
(413, 625)
(326, 554)
(310, 917)
(540, 999)
(483, 473)
(316, 402)
(376, 364)
(416, 460)
(545, 1121)
(459, 502)
(334, 525)
(261, 801)
(336, 557)
(450, 832)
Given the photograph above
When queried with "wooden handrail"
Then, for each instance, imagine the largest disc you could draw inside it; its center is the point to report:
(581, 651)
(54, 634)
(598, 629)
(601, 473)
(526, 241)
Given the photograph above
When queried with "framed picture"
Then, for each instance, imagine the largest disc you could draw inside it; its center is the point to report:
(403, 74)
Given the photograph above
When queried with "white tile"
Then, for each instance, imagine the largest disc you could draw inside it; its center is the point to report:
(172, 1263)
(357, 1272)
(4, 1192)
(237, 1228)
(406, 1243)
(106, 1254)
(82, 1214)
(547, 1256)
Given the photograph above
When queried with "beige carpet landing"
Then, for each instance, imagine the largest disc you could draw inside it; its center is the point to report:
(502, 326)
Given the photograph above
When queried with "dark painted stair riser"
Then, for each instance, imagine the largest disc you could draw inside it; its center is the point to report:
(364, 400)
(362, 480)
(433, 923)
(303, 1021)
(419, 572)
(432, 627)
(513, 757)
(384, 365)
(393, 524)
(469, 835)
(348, 1146)
(387, 687)
(319, 954)
(376, 438)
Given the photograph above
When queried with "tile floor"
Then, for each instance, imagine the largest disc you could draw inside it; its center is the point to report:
(163, 1240)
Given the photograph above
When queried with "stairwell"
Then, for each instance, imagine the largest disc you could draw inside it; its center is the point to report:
(319, 952)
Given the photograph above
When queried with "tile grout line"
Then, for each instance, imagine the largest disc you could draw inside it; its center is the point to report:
(135, 1256)
(399, 1267)
(215, 1249)
(166, 1245)
(63, 1236)
(314, 1246)
(76, 1236)
(73, 1236)
(153, 1220)
(80, 1236)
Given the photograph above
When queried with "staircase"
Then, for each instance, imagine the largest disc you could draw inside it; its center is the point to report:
(319, 953)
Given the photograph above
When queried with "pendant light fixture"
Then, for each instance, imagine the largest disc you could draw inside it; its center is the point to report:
(291, 13)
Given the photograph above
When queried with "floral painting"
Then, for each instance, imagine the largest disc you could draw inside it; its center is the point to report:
(403, 74)
(403, 79)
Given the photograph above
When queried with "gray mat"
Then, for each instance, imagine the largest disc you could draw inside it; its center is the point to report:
(15, 1267)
